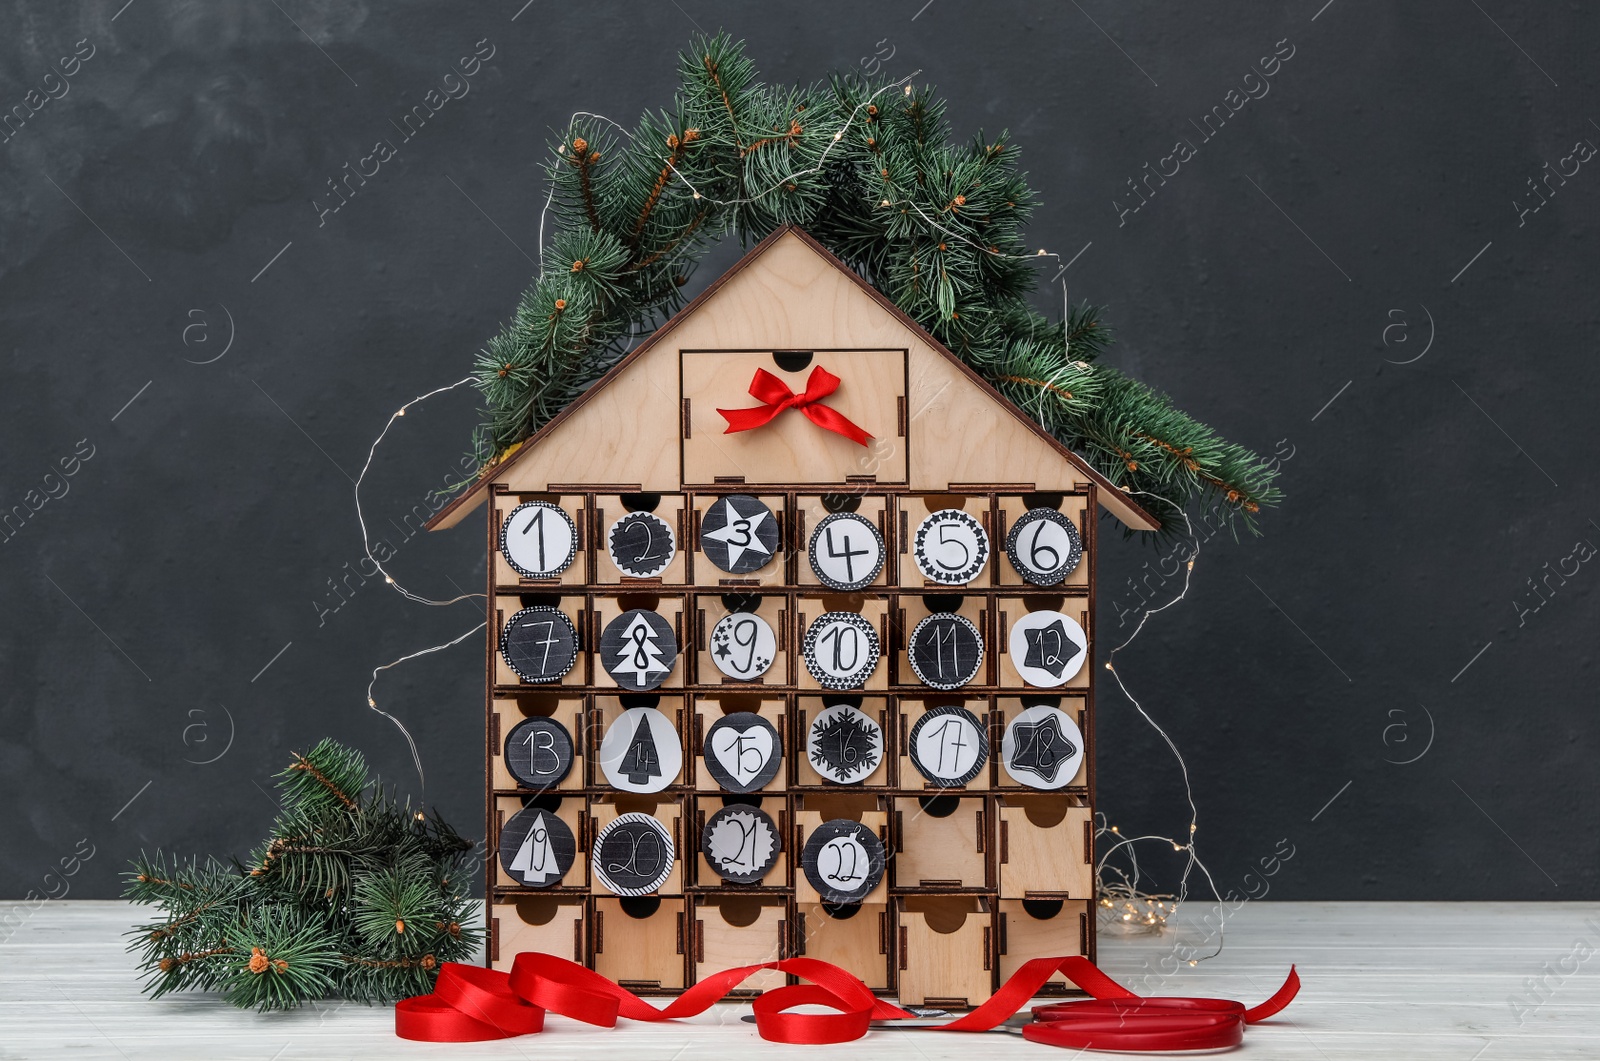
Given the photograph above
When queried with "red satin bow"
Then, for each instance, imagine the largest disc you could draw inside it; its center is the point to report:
(769, 389)
(470, 1003)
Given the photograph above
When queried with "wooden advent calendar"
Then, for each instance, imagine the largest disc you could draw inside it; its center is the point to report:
(790, 689)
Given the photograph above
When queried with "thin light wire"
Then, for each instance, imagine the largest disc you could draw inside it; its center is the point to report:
(373, 703)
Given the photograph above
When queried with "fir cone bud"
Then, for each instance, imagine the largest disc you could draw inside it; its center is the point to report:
(429, 961)
(167, 965)
(691, 135)
(399, 926)
(672, 141)
(258, 961)
(561, 304)
(579, 145)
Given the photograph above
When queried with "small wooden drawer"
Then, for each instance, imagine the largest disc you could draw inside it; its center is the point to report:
(912, 509)
(1013, 507)
(811, 811)
(941, 842)
(609, 708)
(706, 878)
(608, 608)
(735, 930)
(942, 745)
(946, 950)
(669, 812)
(874, 609)
(812, 509)
(641, 540)
(551, 924)
(573, 814)
(640, 942)
(911, 609)
(746, 755)
(508, 711)
(808, 709)
(1046, 846)
(1042, 928)
(1010, 609)
(1007, 708)
(774, 572)
(858, 938)
(742, 645)
(574, 607)
(555, 536)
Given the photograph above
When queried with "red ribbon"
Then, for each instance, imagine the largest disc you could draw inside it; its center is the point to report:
(776, 396)
(470, 1003)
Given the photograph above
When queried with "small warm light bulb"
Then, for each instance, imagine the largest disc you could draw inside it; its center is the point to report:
(371, 702)
(838, 136)
(697, 195)
(389, 580)
(1041, 252)
(884, 203)
(402, 412)
(908, 90)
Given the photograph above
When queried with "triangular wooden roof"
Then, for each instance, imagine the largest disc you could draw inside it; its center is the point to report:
(797, 245)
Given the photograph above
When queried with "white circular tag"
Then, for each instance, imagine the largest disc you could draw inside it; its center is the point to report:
(950, 547)
(1042, 748)
(841, 650)
(1044, 546)
(539, 539)
(948, 745)
(1047, 648)
(846, 551)
(743, 646)
(640, 752)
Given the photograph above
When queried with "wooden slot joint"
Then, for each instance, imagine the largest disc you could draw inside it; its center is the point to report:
(677, 919)
(699, 941)
(494, 939)
(577, 940)
(686, 418)
(1005, 841)
(905, 937)
(1083, 933)
(599, 930)
(1088, 842)
(985, 948)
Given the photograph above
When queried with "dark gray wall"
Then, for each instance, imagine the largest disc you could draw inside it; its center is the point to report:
(1361, 214)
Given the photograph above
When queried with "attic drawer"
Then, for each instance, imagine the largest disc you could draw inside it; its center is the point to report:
(639, 942)
(790, 448)
(1042, 547)
(550, 924)
(736, 930)
(626, 531)
(1042, 928)
(946, 948)
(538, 754)
(548, 540)
(1046, 847)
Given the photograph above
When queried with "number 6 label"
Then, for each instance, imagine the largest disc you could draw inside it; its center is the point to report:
(1044, 546)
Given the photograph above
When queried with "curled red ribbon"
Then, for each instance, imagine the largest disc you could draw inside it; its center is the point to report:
(776, 397)
(470, 1004)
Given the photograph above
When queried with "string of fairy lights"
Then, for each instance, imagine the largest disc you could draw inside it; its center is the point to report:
(1120, 891)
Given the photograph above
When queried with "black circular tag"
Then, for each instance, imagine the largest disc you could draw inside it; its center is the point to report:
(843, 860)
(538, 752)
(945, 650)
(846, 551)
(741, 843)
(743, 645)
(639, 649)
(844, 744)
(948, 745)
(536, 848)
(739, 534)
(950, 547)
(742, 751)
(841, 650)
(641, 544)
(640, 751)
(1047, 648)
(540, 644)
(539, 539)
(1042, 748)
(633, 854)
(1044, 546)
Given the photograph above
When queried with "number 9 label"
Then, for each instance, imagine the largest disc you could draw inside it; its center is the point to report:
(951, 547)
(841, 650)
(1044, 546)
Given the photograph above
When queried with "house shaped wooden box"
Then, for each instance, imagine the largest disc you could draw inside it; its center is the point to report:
(638, 499)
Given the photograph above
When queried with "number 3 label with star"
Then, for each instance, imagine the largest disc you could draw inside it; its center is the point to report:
(539, 539)
(739, 534)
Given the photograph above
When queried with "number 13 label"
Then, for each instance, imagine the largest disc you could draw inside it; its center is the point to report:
(951, 547)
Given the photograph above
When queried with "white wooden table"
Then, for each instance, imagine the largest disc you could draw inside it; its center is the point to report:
(1381, 980)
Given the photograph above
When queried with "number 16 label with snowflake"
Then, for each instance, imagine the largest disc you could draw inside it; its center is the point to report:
(845, 745)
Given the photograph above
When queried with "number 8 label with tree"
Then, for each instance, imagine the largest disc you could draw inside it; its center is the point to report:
(846, 551)
(539, 540)
(841, 650)
(1044, 546)
(951, 547)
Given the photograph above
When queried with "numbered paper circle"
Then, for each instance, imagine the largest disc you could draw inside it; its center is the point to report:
(638, 649)
(739, 534)
(539, 539)
(633, 854)
(536, 848)
(1047, 648)
(640, 752)
(742, 751)
(538, 752)
(741, 843)
(540, 644)
(641, 544)
(945, 650)
(948, 745)
(843, 860)
(743, 646)
(841, 650)
(1042, 748)
(950, 547)
(844, 744)
(846, 551)
(1044, 546)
